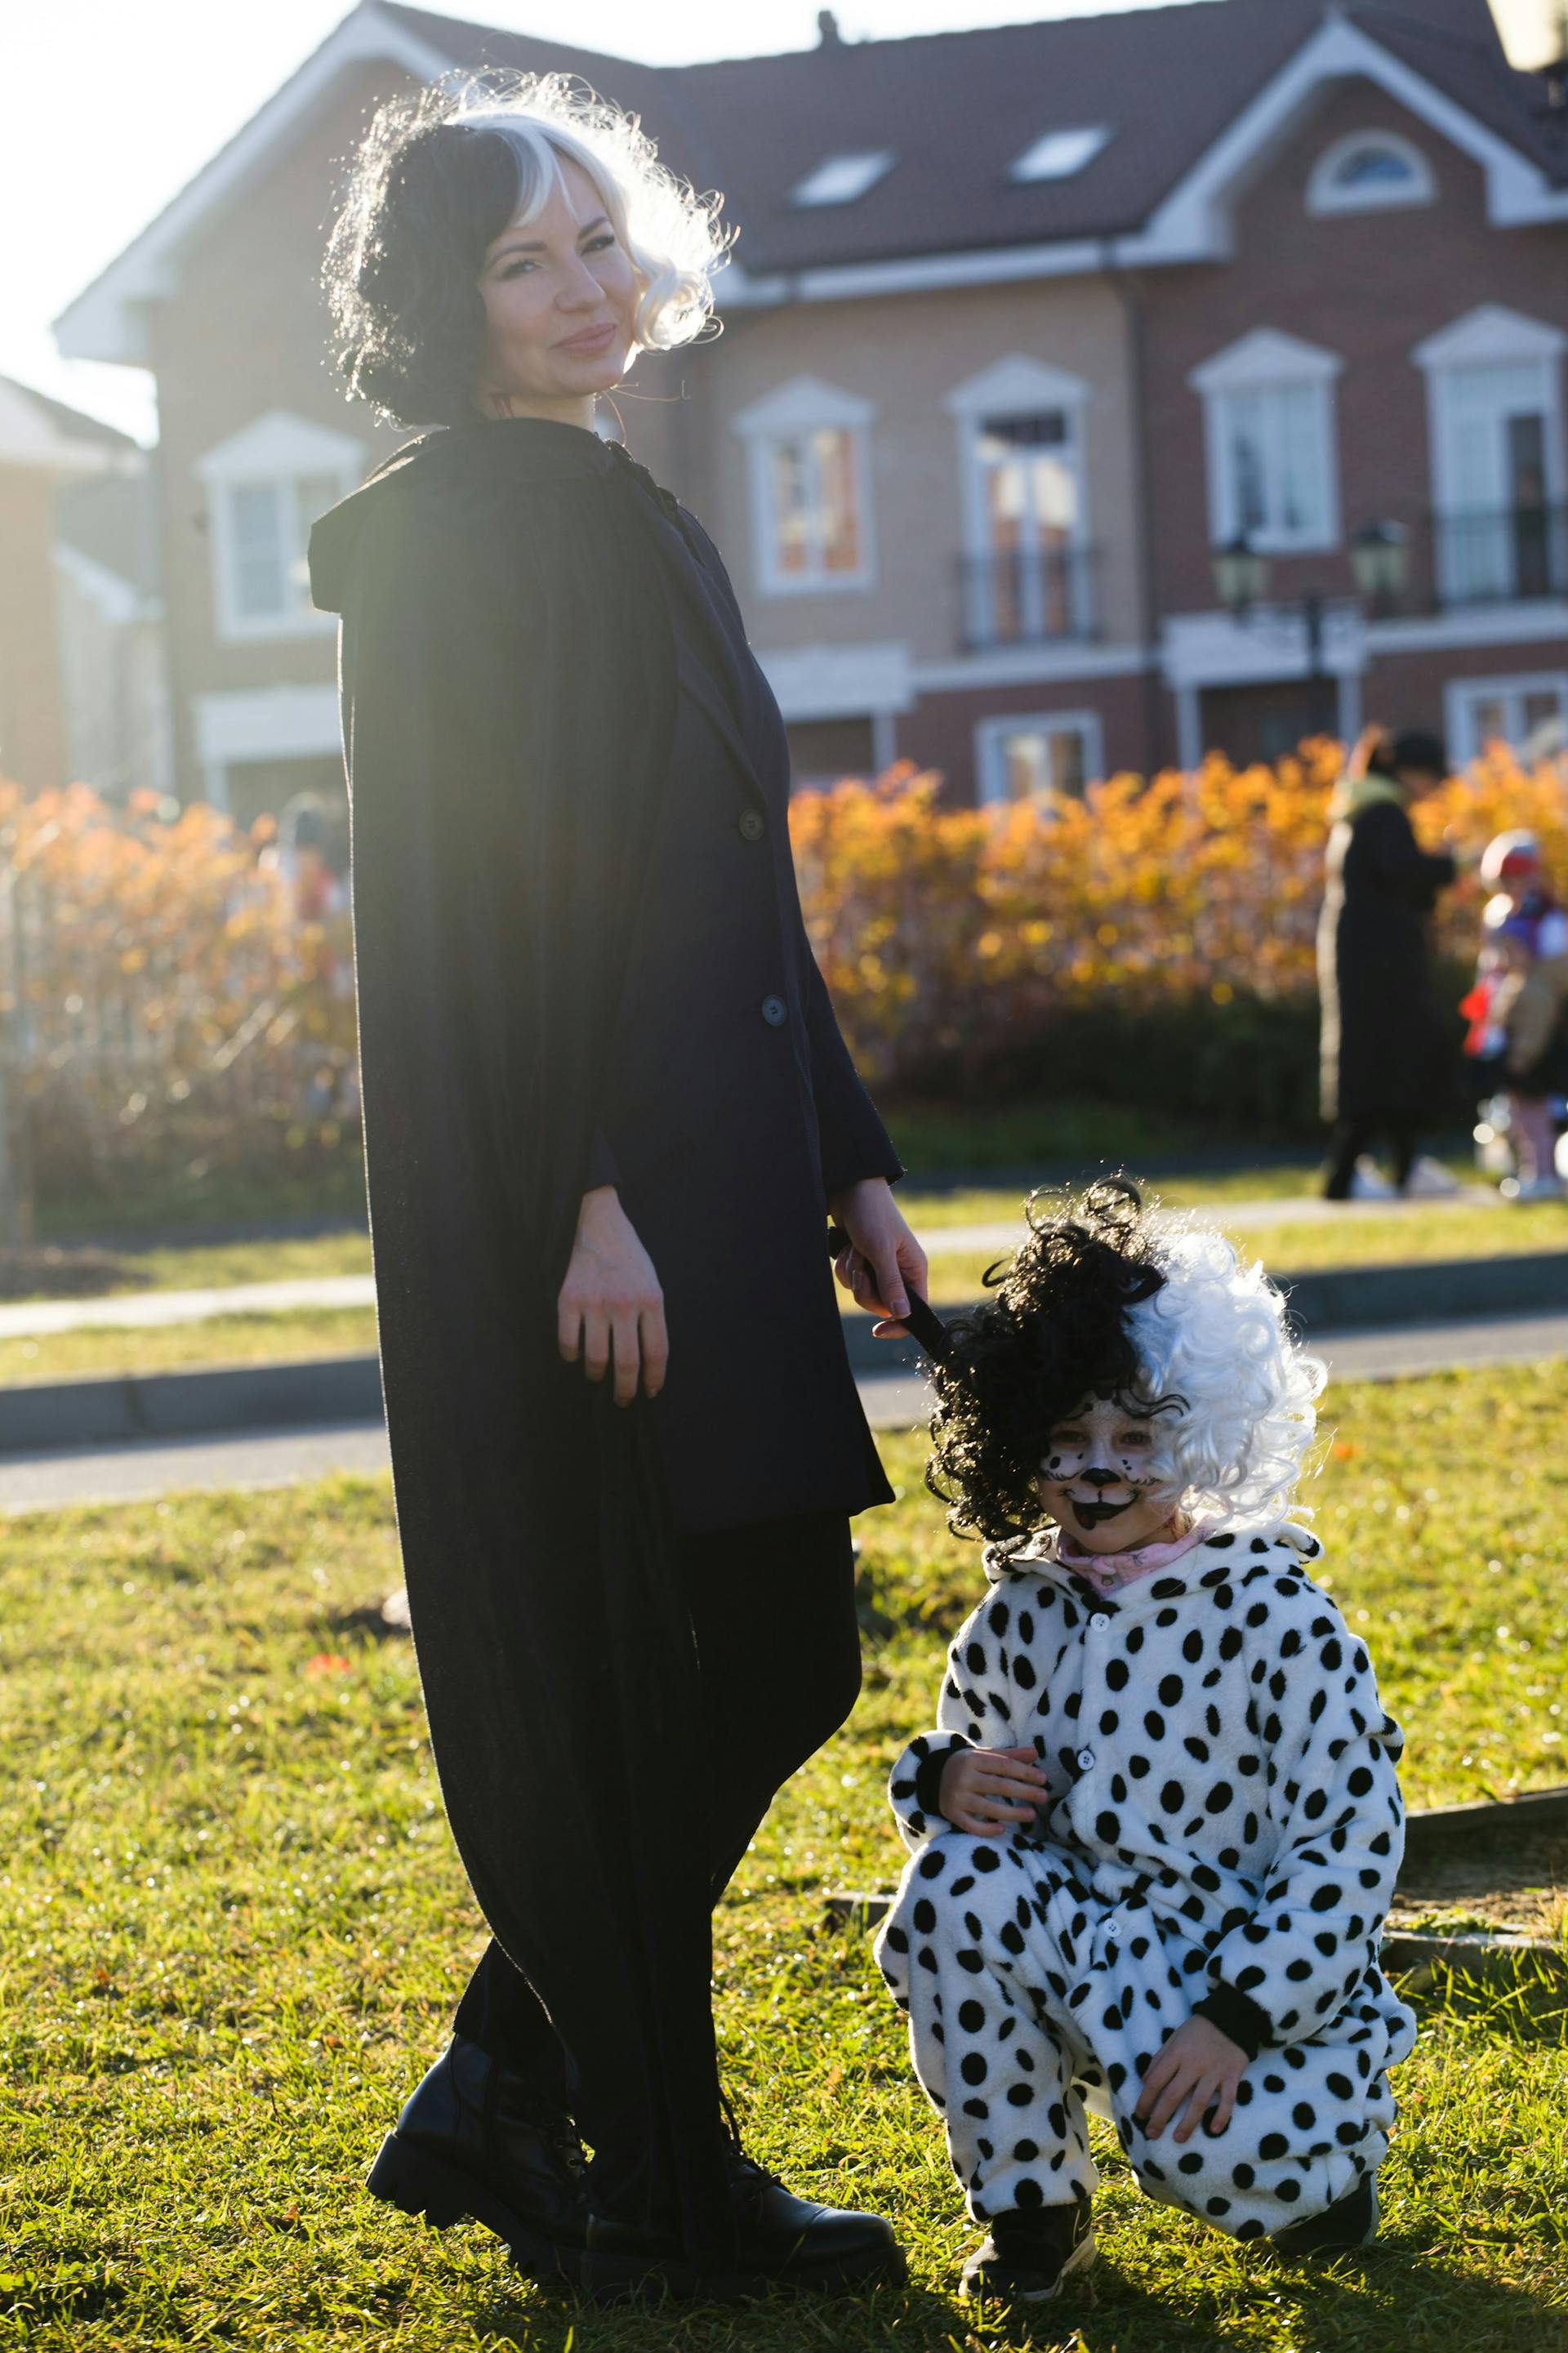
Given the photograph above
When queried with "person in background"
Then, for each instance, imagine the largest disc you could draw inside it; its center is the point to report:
(1383, 1042)
(1517, 1009)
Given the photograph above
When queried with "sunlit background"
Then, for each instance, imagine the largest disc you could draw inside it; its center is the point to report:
(111, 110)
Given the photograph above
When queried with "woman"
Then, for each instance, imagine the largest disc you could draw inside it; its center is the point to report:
(608, 1113)
(1385, 1051)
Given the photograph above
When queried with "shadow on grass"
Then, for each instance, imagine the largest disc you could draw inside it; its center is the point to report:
(1395, 2295)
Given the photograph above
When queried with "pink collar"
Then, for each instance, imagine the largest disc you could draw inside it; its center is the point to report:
(1108, 1571)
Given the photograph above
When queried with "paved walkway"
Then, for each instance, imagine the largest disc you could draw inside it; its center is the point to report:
(893, 1400)
(1239, 1216)
(36, 1319)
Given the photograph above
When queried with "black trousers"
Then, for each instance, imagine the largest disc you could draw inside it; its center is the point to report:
(1351, 1137)
(773, 1613)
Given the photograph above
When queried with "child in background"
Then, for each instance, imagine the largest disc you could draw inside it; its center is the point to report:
(1157, 1826)
(1517, 1009)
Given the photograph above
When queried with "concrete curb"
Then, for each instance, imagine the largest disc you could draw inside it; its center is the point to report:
(1347, 1298)
(123, 1407)
(128, 1406)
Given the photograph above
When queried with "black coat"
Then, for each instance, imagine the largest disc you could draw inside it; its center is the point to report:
(510, 656)
(733, 1109)
(1386, 1048)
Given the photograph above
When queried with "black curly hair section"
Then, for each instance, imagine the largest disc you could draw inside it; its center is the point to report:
(424, 200)
(1054, 1333)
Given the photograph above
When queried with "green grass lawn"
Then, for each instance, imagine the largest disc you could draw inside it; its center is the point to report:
(233, 1931)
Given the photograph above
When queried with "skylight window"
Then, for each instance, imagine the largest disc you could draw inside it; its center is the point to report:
(1061, 155)
(841, 179)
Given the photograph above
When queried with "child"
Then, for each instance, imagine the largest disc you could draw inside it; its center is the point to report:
(1517, 1007)
(1156, 1831)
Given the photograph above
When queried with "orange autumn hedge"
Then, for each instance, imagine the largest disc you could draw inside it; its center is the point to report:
(165, 1014)
(965, 941)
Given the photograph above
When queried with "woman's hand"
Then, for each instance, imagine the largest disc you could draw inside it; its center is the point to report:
(611, 1310)
(981, 1791)
(883, 1255)
(1198, 2069)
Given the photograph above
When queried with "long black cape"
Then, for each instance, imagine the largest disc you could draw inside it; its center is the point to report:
(509, 702)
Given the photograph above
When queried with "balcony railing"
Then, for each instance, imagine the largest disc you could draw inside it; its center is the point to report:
(1503, 556)
(1033, 599)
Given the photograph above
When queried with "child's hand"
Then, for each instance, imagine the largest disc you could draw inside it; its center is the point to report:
(982, 1789)
(1199, 2068)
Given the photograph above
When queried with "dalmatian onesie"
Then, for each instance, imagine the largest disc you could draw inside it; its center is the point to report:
(1222, 1830)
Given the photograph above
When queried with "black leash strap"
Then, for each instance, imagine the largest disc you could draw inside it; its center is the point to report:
(922, 1323)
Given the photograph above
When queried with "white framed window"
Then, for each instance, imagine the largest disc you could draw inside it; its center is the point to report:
(1270, 433)
(1370, 171)
(1026, 754)
(1512, 711)
(808, 452)
(265, 488)
(1025, 492)
(1494, 398)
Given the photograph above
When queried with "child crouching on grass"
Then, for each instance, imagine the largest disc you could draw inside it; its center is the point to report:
(1157, 1828)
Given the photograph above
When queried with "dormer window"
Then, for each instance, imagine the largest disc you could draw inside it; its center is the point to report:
(843, 179)
(1061, 155)
(1370, 171)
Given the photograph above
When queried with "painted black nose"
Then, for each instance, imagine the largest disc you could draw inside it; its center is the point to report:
(1100, 1478)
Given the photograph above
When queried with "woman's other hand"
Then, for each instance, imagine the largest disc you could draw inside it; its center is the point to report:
(883, 1256)
(611, 1310)
(982, 1790)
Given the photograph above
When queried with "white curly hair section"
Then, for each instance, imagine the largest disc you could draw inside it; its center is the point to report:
(1215, 1336)
(671, 235)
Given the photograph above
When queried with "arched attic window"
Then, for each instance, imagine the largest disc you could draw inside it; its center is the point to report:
(1370, 171)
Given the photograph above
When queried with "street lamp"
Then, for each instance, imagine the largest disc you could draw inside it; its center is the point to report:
(1380, 560)
(1379, 556)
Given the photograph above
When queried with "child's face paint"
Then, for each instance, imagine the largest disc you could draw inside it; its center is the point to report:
(1104, 1478)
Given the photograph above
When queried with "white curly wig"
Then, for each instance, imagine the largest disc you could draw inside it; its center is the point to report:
(1215, 1336)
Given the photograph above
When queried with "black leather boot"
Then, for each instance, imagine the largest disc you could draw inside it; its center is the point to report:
(468, 2143)
(782, 2242)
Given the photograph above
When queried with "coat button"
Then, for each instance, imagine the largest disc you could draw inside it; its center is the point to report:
(1085, 1759)
(1100, 1621)
(753, 824)
(775, 1012)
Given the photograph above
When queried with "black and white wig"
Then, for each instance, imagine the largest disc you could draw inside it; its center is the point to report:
(440, 172)
(1102, 1300)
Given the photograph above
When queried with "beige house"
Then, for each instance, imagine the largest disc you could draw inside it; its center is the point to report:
(1004, 363)
(81, 658)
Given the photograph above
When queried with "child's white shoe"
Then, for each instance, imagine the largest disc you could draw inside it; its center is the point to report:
(1532, 1188)
(1429, 1181)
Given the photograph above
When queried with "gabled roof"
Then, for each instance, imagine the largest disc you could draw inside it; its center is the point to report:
(1192, 96)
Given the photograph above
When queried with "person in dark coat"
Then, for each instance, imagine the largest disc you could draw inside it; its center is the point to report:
(608, 1116)
(1386, 1045)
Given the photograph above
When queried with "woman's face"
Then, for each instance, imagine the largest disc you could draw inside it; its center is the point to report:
(561, 298)
(1103, 1479)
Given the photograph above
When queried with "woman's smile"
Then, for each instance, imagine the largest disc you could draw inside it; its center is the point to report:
(588, 339)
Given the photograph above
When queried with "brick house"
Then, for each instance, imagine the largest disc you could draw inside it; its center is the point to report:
(1024, 326)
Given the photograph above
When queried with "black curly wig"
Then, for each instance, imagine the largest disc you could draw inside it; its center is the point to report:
(425, 203)
(1054, 1333)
